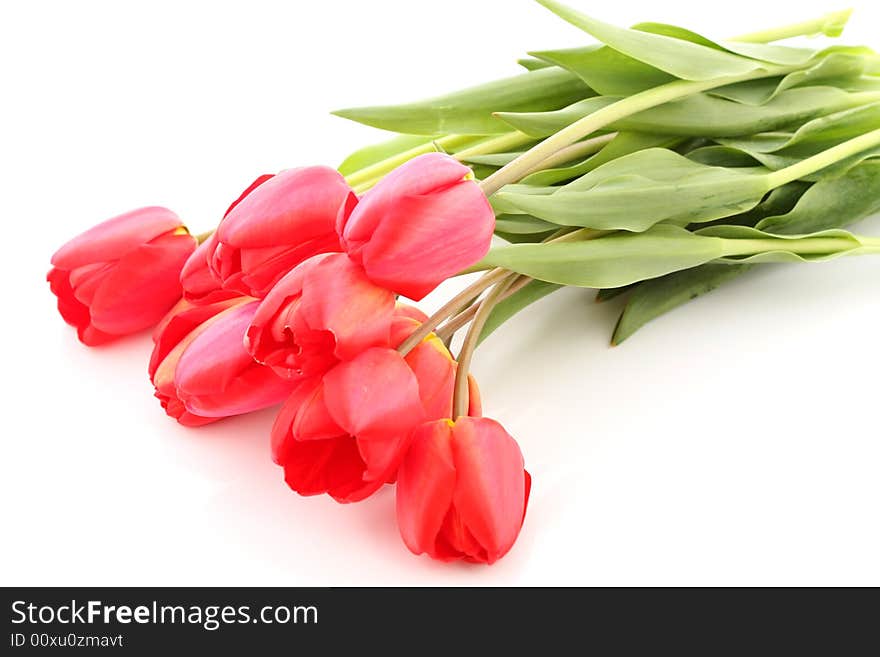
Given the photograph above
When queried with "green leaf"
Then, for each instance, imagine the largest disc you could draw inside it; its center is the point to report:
(780, 201)
(831, 203)
(828, 204)
(610, 293)
(624, 143)
(679, 57)
(522, 224)
(813, 247)
(506, 309)
(503, 207)
(471, 111)
(838, 66)
(532, 64)
(606, 70)
(637, 191)
(610, 261)
(815, 135)
(374, 153)
(700, 115)
(656, 297)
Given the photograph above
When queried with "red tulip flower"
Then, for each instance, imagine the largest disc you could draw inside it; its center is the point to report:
(422, 223)
(199, 284)
(324, 311)
(276, 224)
(121, 276)
(344, 434)
(462, 490)
(201, 369)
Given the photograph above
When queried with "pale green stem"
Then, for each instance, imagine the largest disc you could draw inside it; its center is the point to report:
(375, 173)
(575, 151)
(806, 28)
(451, 307)
(519, 168)
(201, 237)
(379, 169)
(449, 329)
(499, 144)
(461, 394)
(824, 159)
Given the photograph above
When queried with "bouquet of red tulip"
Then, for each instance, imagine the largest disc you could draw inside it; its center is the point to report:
(656, 163)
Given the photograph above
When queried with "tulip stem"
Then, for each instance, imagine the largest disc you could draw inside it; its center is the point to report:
(517, 282)
(469, 146)
(461, 395)
(201, 237)
(451, 307)
(449, 329)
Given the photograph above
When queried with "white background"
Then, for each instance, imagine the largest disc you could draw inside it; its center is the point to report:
(734, 441)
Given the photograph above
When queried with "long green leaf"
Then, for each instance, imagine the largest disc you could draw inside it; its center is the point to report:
(522, 224)
(837, 66)
(677, 56)
(640, 190)
(815, 135)
(701, 115)
(625, 258)
(610, 261)
(831, 203)
(658, 296)
(624, 143)
(471, 111)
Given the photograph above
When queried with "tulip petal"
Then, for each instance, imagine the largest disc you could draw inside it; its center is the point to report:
(73, 312)
(295, 205)
(180, 322)
(217, 377)
(420, 176)
(313, 467)
(490, 490)
(313, 421)
(425, 485)
(281, 428)
(376, 394)
(259, 181)
(434, 369)
(143, 286)
(339, 298)
(423, 240)
(112, 239)
(198, 281)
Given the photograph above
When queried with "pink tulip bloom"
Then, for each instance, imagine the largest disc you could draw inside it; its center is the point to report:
(207, 374)
(422, 223)
(462, 490)
(324, 311)
(344, 434)
(121, 276)
(276, 224)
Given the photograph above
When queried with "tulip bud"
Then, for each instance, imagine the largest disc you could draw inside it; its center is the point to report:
(201, 370)
(276, 224)
(462, 491)
(424, 222)
(122, 275)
